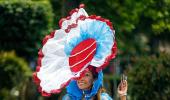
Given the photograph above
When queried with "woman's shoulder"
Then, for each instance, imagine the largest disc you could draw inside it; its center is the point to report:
(105, 96)
(70, 97)
(66, 97)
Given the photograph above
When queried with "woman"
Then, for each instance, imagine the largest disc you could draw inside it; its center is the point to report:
(90, 87)
(67, 53)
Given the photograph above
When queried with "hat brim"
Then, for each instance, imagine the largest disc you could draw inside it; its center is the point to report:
(53, 71)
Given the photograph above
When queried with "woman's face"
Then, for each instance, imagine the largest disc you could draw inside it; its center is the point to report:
(86, 82)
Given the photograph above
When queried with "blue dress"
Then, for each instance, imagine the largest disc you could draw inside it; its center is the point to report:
(74, 93)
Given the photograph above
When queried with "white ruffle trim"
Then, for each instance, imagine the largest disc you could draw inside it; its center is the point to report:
(55, 69)
(74, 17)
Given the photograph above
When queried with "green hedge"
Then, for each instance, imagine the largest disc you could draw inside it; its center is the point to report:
(23, 24)
(14, 71)
(149, 78)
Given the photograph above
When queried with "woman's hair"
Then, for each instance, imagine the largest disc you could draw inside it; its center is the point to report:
(93, 70)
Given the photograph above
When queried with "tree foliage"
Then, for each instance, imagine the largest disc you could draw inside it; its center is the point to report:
(14, 71)
(23, 24)
(149, 78)
(138, 24)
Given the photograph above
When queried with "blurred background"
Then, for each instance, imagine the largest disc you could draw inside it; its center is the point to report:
(142, 33)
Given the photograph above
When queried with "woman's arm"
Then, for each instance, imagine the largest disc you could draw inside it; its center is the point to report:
(123, 98)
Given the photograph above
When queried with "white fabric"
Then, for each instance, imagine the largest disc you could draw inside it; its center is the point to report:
(74, 32)
(55, 69)
(74, 16)
(54, 63)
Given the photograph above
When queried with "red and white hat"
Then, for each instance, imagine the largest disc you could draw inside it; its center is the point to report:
(81, 41)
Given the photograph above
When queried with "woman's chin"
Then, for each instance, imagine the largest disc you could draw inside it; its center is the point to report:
(81, 87)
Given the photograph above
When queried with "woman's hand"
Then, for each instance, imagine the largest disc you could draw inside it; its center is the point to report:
(122, 88)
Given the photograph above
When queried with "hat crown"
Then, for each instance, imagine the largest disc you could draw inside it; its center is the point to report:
(82, 54)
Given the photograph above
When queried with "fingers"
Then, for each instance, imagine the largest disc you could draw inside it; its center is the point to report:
(124, 81)
(122, 85)
(122, 88)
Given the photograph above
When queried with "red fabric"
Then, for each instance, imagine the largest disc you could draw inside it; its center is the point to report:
(83, 54)
(41, 55)
(69, 27)
(81, 6)
(82, 17)
(73, 11)
(61, 21)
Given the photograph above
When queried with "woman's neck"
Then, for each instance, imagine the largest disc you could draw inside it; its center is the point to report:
(86, 91)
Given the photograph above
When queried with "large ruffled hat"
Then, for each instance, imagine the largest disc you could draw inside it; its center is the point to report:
(81, 41)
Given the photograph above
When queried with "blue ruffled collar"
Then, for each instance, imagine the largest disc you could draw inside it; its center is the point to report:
(75, 92)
